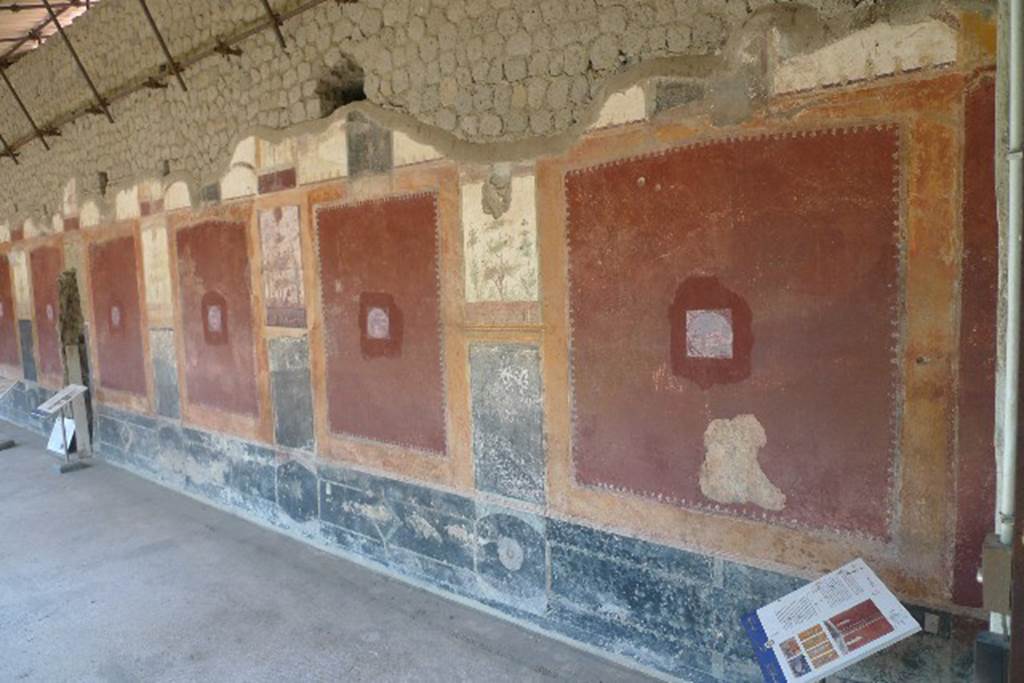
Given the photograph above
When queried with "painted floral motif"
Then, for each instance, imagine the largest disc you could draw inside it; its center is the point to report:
(501, 253)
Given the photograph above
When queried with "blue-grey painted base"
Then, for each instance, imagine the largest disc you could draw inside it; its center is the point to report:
(17, 405)
(663, 608)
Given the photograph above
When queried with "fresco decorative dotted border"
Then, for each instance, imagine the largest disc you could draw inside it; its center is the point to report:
(403, 196)
(896, 306)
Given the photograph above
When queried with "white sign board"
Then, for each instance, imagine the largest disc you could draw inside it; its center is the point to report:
(827, 625)
(6, 385)
(58, 401)
(58, 440)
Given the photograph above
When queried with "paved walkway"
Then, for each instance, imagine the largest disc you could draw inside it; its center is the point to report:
(107, 577)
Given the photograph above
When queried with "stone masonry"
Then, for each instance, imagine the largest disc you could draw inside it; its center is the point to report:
(462, 75)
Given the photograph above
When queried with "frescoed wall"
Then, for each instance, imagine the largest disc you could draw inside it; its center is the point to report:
(707, 282)
(623, 385)
(284, 292)
(381, 308)
(9, 352)
(46, 263)
(117, 315)
(976, 462)
(216, 317)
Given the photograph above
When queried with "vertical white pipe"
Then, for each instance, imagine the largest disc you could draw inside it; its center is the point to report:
(1015, 204)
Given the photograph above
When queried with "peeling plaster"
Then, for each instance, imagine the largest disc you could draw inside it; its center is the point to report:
(90, 215)
(238, 182)
(22, 288)
(276, 154)
(878, 50)
(322, 156)
(497, 191)
(176, 196)
(731, 473)
(408, 151)
(69, 202)
(623, 107)
(32, 229)
(127, 203)
(245, 153)
(156, 270)
(698, 42)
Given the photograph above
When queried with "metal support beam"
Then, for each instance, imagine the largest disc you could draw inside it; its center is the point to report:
(171, 64)
(78, 61)
(275, 23)
(19, 6)
(24, 109)
(227, 51)
(35, 34)
(8, 152)
(226, 46)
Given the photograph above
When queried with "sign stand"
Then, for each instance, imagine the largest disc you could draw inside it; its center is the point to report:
(827, 625)
(5, 387)
(56, 406)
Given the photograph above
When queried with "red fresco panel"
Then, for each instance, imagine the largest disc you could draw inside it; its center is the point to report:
(216, 313)
(9, 352)
(381, 306)
(46, 265)
(976, 470)
(118, 316)
(795, 236)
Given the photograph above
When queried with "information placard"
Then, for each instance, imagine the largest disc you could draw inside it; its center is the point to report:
(56, 403)
(827, 625)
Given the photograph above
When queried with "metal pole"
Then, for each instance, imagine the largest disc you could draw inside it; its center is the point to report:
(275, 23)
(1015, 228)
(17, 7)
(225, 46)
(34, 34)
(8, 152)
(24, 109)
(163, 45)
(64, 436)
(81, 67)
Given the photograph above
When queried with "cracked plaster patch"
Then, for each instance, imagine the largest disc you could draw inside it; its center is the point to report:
(731, 473)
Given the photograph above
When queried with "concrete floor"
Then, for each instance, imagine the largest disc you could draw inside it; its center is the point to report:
(107, 577)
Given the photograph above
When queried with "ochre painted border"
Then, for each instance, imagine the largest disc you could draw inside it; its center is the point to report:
(114, 397)
(12, 371)
(260, 427)
(916, 560)
(455, 468)
(50, 381)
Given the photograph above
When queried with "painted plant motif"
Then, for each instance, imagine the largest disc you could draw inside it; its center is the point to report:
(282, 267)
(501, 251)
(156, 267)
